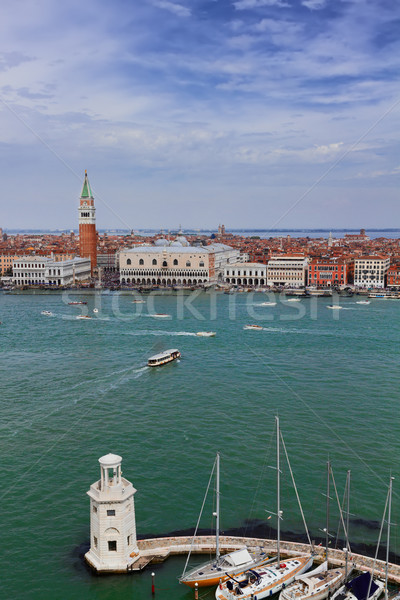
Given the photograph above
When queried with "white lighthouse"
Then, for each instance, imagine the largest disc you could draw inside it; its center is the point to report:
(113, 545)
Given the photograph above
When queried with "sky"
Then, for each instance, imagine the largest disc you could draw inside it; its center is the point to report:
(252, 113)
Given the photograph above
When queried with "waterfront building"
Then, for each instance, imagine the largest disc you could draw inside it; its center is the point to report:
(42, 270)
(328, 272)
(6, 262)
(246, 274)
(175, 263)
(393, 276)
(287, 270)
(113, 543)
(87, 224)
(371, 271)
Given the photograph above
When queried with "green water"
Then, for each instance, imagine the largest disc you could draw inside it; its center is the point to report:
(73, 390)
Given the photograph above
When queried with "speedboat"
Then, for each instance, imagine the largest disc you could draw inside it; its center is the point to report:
(293, 300)
(334, 306)
(315, 585)
(163, 358)
(76, 303)
(267, 303)
(253, 327)
(206, 333)
(261, 582)
(363, 302)
(138, 301)
(85, 317)
(47, 313)
(161, 316)
(96, 310)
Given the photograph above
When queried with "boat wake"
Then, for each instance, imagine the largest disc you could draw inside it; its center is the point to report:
(160, 332)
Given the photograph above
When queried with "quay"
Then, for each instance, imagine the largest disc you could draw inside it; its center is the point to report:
(156, 550)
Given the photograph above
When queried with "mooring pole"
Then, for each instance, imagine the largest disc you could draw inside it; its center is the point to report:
(153, 588)
(196, 591)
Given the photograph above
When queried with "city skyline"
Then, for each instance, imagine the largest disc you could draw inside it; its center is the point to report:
(271, 112)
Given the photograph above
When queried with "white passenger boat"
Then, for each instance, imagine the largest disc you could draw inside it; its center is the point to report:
(261, 582)
(206, 333)
(257, 327)
(47, 313)
(163, 358)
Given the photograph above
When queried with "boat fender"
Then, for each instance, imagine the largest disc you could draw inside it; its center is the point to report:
(282, 566)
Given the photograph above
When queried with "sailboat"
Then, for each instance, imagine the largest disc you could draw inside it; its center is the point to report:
(364, 587)
(212, 572)
(322, 581)
(265, 580)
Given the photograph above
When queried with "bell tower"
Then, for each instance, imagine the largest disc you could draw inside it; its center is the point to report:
(113, 545)
(87, 224)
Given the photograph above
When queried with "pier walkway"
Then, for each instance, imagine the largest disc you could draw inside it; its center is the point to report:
(158, 549)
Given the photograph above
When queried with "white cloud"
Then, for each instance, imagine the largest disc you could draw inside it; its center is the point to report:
(177, 9)
(249, 4)
(314, 4)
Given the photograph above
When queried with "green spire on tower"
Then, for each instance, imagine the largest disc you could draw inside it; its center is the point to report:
(86, 189)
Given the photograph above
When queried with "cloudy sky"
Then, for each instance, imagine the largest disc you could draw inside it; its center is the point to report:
(254, 113)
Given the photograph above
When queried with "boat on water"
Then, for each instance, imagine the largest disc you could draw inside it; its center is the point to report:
(76, 303)
(257, 327)
(47, 313)
(293, 300)
(83, 317)
(206, 333)
(95, 310)
(267, 303)
(161, 316)
(334, 306)
(363, 302)
(221, 567)
(138, 301)
(163, 358)
(261, 582)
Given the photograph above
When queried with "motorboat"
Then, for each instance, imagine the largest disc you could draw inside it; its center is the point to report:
(47, 313)
(257, 327)
(221, 567)
(138, 301)
(267, 303)
(206, 333)
(76, 303)
(363, 302)
(315, 585)
(95, 310)
(83, 317)
(261, 582)
(163, 358)
(293, 300)
(334, 306)
(161, 316)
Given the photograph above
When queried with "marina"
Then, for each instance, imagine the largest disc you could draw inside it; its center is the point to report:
(72, 406)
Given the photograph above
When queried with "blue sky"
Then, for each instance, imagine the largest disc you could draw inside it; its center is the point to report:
(267, 113)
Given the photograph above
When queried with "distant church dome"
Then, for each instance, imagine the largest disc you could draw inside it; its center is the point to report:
(161, 242)
(176, 243)
(182, 240)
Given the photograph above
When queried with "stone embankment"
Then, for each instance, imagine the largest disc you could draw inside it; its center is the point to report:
(158, 549)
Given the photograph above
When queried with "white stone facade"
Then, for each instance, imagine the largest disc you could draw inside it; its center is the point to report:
(41, 270)
(113, 544)
(289, 271)
(246, 274)
(171, 265)
(371, 271)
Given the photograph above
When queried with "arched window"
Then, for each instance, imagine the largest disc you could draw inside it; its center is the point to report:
(188, 264)
(129, 262)
(201, 264)
(175, 261)
(164, 263)
(154, 261)
(141, 261)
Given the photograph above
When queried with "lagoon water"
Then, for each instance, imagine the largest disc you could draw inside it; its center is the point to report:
(73, 390)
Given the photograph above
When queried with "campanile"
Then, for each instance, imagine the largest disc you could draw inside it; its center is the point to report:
(87, 224)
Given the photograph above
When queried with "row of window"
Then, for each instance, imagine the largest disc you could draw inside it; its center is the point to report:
(29, 266)
(164, 262)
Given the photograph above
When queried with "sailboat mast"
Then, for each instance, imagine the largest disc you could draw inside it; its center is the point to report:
(347, 522)
(217, 551)
(278, 492)
(388, 537)
(327, 510)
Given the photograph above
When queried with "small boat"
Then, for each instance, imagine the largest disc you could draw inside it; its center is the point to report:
(96, 310)
(206, 333)
(334, 306)
(267, 303)
(138, 301)
(363, 302)
(76, 303)
(253, 327)
(161, 316)
(85, 317)
(293, 300)
(47, 313)
(163, 358)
